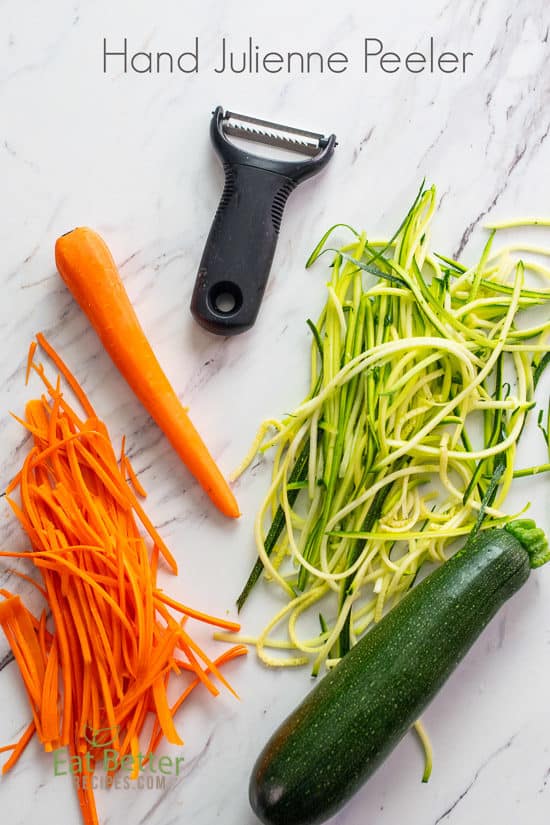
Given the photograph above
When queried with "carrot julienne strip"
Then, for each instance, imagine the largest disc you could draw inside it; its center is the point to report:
(32, 349)
(234, 627)
(102, 654)
(67, 375)
(127, 467)
(19, 748)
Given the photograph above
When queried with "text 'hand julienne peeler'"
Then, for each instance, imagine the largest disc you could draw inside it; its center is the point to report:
(239, 251)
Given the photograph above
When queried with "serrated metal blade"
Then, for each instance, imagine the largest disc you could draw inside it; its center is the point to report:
(273, 134)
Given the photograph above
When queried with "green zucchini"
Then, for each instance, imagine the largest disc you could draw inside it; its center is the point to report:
(351, 721)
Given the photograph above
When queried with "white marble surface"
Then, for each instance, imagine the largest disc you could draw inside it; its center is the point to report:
(130, 156)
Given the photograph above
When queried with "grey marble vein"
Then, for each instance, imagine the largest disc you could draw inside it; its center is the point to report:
(6, 660)
(545, 782)
(172, 788)
(446, 814)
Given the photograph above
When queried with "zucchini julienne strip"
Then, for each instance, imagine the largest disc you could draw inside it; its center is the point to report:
(381, 468)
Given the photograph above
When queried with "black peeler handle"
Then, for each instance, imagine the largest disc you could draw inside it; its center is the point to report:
(239, 251)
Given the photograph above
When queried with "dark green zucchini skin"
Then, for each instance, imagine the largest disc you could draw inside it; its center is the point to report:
(345, 728)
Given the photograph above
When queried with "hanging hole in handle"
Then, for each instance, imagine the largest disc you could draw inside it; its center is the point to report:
(225, 298)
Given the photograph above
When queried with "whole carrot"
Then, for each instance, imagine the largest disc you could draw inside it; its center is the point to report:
(88, 269)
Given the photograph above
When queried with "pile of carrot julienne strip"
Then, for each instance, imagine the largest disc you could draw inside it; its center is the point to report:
(100, 656)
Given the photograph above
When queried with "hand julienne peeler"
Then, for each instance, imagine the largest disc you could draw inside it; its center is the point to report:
(239, 251)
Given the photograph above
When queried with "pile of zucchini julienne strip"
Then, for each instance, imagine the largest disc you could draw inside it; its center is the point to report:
(421, 381)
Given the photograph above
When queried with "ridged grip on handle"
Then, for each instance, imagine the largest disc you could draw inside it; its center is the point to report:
(239, 251)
